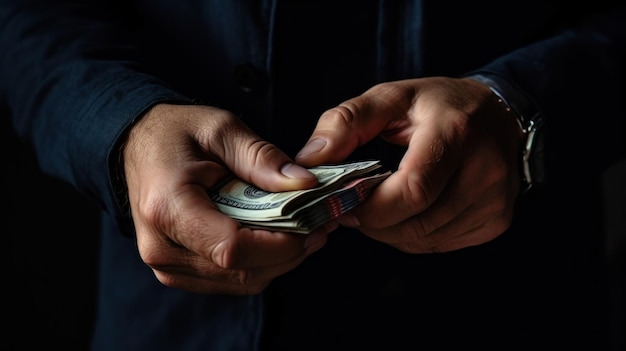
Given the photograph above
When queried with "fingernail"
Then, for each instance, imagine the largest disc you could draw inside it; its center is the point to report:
(292, 170)
(312, 146)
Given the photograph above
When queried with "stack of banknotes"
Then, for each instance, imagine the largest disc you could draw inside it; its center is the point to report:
(341, 187)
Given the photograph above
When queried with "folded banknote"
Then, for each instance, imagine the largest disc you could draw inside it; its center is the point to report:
(341, 188)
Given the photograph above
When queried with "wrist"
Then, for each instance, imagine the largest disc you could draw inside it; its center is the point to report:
(531, 123)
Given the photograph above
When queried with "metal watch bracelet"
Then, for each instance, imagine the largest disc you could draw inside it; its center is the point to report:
(530, 122)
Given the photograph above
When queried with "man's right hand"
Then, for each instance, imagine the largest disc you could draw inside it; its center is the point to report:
(173, 155)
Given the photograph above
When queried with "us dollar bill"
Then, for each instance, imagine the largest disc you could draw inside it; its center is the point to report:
(321, 210)
(341, 187)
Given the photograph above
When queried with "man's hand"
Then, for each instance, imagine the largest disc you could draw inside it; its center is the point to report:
(458, 180)
(173, 155)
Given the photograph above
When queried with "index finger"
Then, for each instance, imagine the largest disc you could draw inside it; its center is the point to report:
(340, 130)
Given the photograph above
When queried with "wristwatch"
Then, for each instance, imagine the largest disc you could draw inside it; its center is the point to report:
(531, 122)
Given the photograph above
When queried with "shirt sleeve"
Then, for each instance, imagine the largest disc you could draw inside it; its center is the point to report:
(73, 83)
(590, 51)
(576, 80)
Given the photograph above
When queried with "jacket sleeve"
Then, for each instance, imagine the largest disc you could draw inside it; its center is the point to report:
(576, 79)
(73, 84)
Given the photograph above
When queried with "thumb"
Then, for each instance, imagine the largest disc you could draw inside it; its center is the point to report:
(261, 163)
(344, 128)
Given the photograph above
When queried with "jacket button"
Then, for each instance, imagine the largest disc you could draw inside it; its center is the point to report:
(249, 79)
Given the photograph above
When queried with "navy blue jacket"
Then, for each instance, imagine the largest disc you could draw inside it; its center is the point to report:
(74, 76)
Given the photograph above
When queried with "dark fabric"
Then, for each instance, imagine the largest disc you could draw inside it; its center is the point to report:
(136, 312)
(73, 85)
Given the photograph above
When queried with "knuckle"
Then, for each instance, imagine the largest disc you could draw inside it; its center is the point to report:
(168, 280)
(342, 115)
(246, 280)
(225, 253)
(420, 192)
(409, 239)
